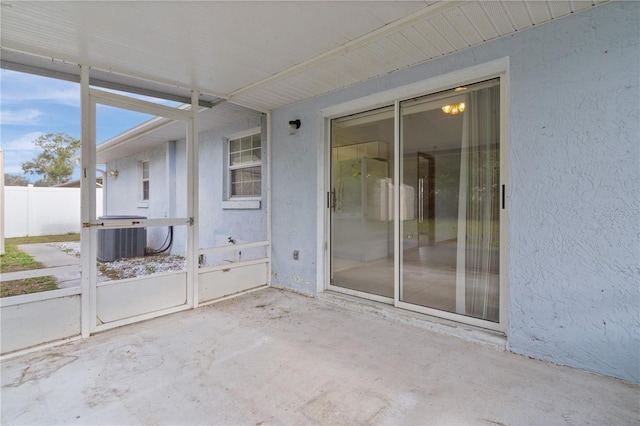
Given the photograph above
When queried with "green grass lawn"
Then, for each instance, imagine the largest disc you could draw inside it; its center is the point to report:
(14, 260)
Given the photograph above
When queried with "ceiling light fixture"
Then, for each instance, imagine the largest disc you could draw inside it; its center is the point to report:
(454, 109)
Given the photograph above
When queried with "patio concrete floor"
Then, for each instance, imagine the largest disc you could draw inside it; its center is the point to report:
(276, 357)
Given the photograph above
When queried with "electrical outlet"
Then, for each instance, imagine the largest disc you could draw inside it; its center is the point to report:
(295, 254)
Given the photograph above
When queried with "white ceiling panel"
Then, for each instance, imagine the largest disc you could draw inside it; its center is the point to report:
(264, 53)
(539, 11)
(559, 8)
(479, 21)
(458, 24)
(499, 17)
(518, 14)
(427, 48)
(442, 44)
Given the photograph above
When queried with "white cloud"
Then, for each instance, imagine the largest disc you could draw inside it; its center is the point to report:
(23, 143)
(20, 88)
(18, 151)
(20, 117)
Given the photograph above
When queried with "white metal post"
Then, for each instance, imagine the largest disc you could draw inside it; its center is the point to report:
(397, 222)
(269, 197)
(87, 205)
(1, 202)
(192, 203)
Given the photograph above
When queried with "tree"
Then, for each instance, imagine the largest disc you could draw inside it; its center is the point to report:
(54, 162)
(15, 180)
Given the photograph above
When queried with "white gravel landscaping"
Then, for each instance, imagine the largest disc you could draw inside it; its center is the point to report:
(131, 267)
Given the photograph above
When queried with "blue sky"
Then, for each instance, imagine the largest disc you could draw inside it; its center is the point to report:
(31, 106)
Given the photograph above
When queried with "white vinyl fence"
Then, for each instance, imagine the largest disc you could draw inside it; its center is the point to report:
(31, 211)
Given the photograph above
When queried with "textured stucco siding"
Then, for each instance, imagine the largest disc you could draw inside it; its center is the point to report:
(215, 223)
(124, 193)
(574, 174)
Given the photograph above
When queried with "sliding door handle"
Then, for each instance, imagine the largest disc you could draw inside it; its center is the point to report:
(331, 200)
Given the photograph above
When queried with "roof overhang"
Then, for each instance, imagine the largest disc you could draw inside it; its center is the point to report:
(262, 55)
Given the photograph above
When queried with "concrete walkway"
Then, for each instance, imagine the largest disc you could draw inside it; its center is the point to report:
(51, 256)
(275, 357)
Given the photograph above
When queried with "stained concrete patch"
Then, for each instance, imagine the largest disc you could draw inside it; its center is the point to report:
(41, 367)
(330, 407)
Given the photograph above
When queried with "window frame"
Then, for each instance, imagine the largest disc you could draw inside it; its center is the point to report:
(144, 179)
(229, 168)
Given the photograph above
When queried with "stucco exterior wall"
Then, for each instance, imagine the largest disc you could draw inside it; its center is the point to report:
(168, 191)
(217, 223)
(573, 207)
(124, 193)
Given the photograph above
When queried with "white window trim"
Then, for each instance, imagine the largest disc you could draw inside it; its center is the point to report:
(142, 201)
(238, 201)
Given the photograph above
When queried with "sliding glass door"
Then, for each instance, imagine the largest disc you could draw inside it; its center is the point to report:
(361, 202)
(456, 269)
(446, 233)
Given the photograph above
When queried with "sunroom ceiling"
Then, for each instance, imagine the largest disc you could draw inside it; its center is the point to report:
(263, 54)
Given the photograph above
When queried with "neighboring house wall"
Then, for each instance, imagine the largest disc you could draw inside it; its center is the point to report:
(124, 193)
(574, 175)
(33, 211)
(168, 191)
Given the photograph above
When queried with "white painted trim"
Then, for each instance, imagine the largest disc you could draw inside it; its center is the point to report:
(87, 212)
(193, 149)
(397, 223)
(241, 204)
(461, 248)
(228, 168)
(234, 295)
(143, 129)
(39, 297)
(323, 211)
(435, 84)
(145, 107)
(33, 273)
(268, 197)
(139, 318)
(231, 247)
(139, 278)
(505, 87)
(244, 133)
(140, 223)
(233, 265)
